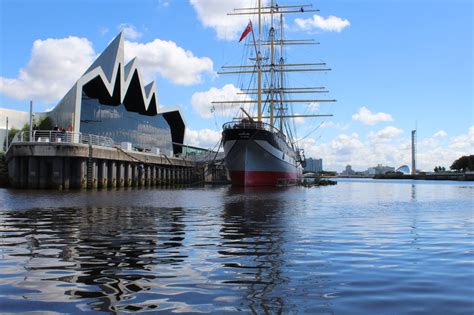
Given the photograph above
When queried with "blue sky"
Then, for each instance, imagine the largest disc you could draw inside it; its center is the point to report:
(396, 65)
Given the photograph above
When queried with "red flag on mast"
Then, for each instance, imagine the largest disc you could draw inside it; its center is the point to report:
(247, 30)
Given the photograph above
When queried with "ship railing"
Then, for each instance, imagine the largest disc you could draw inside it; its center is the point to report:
(56, 136)
(244, 124)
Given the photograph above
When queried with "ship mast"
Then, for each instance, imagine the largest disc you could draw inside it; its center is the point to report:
(276, 91)
(281, 72)
(272, 64)
(259, 63)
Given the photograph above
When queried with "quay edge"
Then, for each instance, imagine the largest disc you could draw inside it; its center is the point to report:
(34, 165)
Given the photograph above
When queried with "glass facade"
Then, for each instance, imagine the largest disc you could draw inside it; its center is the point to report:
(144, 132)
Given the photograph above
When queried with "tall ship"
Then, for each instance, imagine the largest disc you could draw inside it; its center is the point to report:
(260, 145)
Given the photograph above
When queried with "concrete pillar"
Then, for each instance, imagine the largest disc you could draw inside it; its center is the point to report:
(78, 168)
(66, 173)
(44, 173)
(128, 174)
(146, 175)
(189, 176)
(95, 171)
(14, 172)
(134, 175)
(155, 174)
(159, 175)
(141, 175)
(33, 172)
(173, 176)
(167, 176)
(23, 172)
(120, 174)
(112, 174)
(57, 178)
(152, 175)
(83, 164)
(102, 173)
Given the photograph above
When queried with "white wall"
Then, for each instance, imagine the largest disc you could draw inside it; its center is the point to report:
(3, 133)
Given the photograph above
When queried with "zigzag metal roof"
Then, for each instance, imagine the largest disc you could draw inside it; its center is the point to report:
(114, 82)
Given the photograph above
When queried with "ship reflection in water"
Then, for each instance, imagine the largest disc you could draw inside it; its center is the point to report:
(358, 247)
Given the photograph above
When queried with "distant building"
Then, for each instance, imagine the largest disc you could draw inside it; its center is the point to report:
(314, 165)
(404, 169)
(348, 171)
(380, 169)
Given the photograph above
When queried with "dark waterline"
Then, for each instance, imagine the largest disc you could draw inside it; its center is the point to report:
(363, 246)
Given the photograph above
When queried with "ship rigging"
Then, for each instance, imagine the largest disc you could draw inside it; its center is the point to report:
(261, 150)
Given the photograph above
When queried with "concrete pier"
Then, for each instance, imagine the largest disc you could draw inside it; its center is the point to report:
(74, 166)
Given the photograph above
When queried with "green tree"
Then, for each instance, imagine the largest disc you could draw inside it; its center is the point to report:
(45, 124)
(464, 163)
(11, 133)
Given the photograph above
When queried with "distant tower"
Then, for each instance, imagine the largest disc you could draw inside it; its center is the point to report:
(413, 152)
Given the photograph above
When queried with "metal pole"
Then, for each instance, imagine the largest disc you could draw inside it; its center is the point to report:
(6, 149)
(413, 152)
(31, 121)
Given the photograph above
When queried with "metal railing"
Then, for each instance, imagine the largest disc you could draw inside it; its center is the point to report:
(53, 136)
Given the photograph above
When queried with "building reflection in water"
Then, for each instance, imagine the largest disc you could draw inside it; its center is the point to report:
(103, 255)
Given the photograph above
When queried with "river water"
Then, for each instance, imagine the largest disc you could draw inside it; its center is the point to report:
(360, 247)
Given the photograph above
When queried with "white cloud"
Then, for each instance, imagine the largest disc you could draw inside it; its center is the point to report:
(464, 142)
(386, 133)
(368, 118)
(103, 30)
(392, 151)
(313, 107)
(201, 101)
(129, 31)
(164, 3)
(327, 124)
(204, 138)
(168, 60)
(346, 144)
(213, 14)
(299, 120)
(54, 66)
(440, 134)
(317, 22)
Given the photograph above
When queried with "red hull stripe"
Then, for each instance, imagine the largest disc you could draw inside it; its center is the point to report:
(255, 178)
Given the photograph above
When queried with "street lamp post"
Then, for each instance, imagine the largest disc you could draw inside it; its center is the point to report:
(6, 149)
